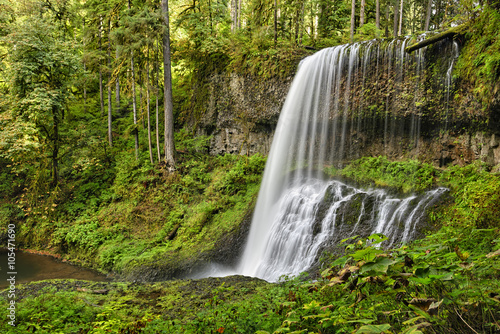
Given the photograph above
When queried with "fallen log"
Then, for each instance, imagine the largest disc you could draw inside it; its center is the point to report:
(436, 38)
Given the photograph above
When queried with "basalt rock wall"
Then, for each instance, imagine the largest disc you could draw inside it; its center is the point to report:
(242, 112)
(390, 103)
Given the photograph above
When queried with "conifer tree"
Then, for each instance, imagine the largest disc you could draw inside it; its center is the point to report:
(167, 95)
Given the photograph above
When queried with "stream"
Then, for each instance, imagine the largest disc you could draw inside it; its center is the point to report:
(33, 267)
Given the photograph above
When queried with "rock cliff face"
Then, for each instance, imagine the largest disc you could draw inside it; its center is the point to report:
(393, 103)
(242, 112)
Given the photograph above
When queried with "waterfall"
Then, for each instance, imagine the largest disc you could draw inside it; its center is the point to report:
(312, 215)
(449, 78)
(329, 114)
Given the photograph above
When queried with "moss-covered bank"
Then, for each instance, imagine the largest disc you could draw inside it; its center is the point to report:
(137, 222)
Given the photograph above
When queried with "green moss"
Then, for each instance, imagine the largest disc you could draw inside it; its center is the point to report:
(406, 176)
(479, 61)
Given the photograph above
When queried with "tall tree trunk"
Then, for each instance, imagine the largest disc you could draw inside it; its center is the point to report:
(297, 26)
(275, 22)
(84, 90)
(55, 148)
(387, 21)
(110, 117)
(134, 102)
(400, 18)
(239, 14)
(428, 15)
(157, 100)
(377, 14)
(353, 18)
(414, 19)
(396, 17)
(85, 74)
(101, 93)
(150, 146)
(167, 98)
(313, 17)
(300, 23)
(141, 102)
(235, 10)
(362, 14)
(117, 101)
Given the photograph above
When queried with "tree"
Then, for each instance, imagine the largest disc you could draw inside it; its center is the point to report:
(428, 15)
(100, 68)
(42, 67)
(377, 14)
(110, 107)
(396, 18)
(400, 18)
(117, 83)
(134, 98)
(157, 88)
(167, 91)
(353, 19)
(362, 14)
(150, 148)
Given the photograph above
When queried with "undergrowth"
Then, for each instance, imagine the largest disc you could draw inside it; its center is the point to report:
(445, 282)
(129, 213)
(432, 286)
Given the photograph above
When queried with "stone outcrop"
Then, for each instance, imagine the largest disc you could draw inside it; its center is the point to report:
(395, 109)
(242, 112)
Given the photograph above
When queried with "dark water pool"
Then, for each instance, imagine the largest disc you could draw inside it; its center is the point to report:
(33, 267)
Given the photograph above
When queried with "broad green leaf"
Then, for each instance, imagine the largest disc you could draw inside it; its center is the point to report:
(412, 320)
(363, 321)
(442, 277)
(422, 271)
(377, 238)
(380, 266)
(368, 254)
(312, 305)
(413, 330)
(373, 329)
(350, 238)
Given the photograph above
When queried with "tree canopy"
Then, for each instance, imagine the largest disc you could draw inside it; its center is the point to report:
(75, 71)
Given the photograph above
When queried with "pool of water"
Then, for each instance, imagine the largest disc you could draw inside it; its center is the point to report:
(32, 267)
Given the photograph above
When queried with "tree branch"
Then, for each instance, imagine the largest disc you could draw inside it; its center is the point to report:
(436, 38)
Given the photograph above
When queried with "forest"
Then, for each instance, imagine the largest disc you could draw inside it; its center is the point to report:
(110, 159)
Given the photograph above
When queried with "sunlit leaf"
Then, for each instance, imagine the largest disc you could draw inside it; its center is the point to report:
(373, 329)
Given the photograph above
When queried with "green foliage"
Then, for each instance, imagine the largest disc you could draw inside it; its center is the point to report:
(243, 170)
(51, 312)
(436, 284)
(130, 173)
(479, 61)
(406, 176)
(42, 65)
(85, 236)
(185, 142)
(205, 26)
(411, 287)
(476, 194)
(367, 31)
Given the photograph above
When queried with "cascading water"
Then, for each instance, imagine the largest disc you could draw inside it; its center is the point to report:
(326, 117)
(313, 215)
(449, 78)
